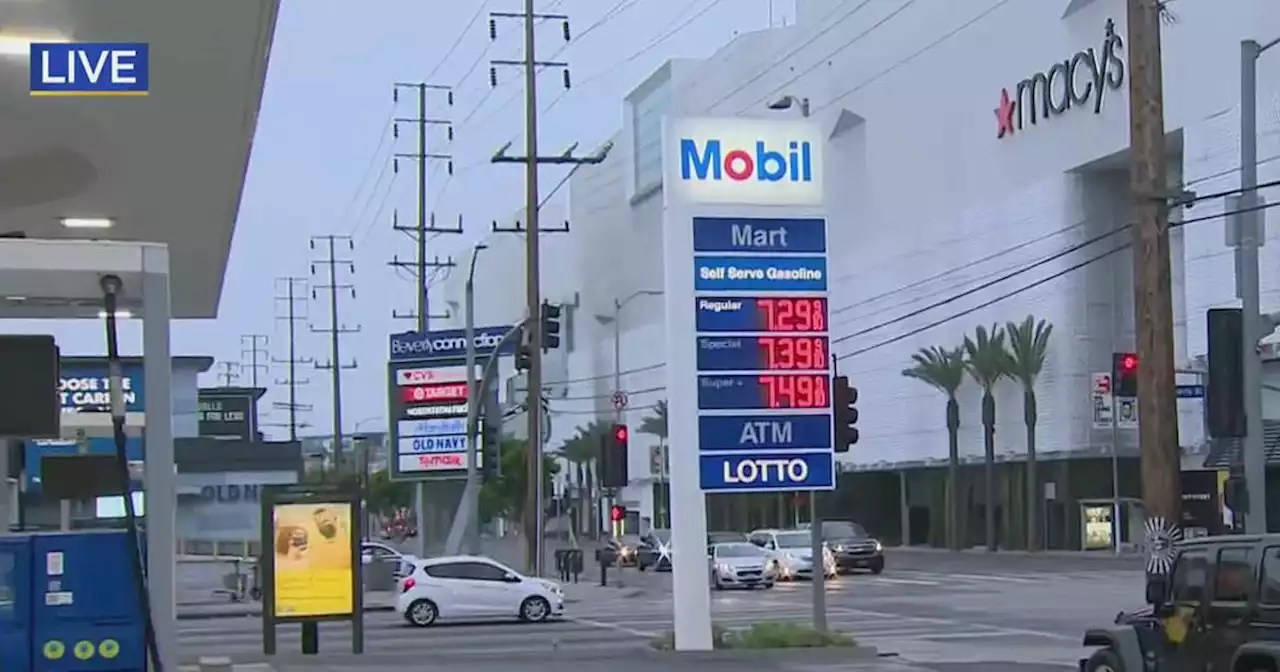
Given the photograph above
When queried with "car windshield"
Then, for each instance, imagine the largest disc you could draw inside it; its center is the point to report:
(725, 537)
(738, 551)
(793, 540)
(842, 529)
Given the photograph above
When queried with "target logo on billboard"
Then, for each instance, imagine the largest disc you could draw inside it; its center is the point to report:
(431, 394)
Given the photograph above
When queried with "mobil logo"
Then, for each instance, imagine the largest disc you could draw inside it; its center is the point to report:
(713, 159)
(744, 161)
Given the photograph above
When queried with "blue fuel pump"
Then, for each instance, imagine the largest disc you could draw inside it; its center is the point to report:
(71, 604)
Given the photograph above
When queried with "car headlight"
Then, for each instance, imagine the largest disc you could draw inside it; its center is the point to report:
(723, 568)
(879, 547)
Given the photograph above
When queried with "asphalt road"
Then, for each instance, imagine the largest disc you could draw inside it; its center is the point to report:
(953, 613)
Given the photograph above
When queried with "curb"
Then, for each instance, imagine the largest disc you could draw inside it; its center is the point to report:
(209, 616)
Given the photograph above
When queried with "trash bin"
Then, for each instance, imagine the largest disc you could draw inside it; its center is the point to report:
(380, 576)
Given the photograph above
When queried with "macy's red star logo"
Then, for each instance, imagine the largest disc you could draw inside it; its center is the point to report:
(1004, 115)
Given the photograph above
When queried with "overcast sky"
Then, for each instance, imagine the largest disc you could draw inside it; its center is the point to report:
(322, 154)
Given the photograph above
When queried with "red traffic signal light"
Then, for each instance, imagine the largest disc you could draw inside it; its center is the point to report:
(620, 434)
(1129, 362)
(617, 513)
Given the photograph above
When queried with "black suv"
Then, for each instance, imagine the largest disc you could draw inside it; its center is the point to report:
(852, 547)
(1218, 609)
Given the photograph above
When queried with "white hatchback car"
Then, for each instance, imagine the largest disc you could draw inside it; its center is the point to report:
(469, 587)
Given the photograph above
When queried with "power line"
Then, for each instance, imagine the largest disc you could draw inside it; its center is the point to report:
(984, 304)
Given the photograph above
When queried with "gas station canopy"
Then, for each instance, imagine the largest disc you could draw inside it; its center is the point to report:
(166, 168)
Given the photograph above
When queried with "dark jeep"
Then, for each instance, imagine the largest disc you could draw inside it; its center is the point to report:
(1218, 609)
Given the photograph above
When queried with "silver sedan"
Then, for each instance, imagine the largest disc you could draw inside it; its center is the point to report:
(739, 565)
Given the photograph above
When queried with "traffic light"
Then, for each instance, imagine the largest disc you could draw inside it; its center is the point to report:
(550, 326)
(524, 357)
(613, 457)
(845, 413)
(1124, 374)
(617, 513)
(1224, 390)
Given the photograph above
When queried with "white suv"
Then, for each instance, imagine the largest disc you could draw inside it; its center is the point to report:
(469, 587)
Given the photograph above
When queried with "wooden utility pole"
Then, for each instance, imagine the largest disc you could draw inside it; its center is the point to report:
(328, 245)
(1153, 301)
(533, 338)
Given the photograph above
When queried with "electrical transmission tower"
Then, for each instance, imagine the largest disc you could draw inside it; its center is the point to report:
(328, 246)
(229, 373)
(254, 356)
(533, 291)
(291, 308)
(421, 267)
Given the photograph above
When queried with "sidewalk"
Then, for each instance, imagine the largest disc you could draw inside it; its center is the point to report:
(373, 601)
(979, 551)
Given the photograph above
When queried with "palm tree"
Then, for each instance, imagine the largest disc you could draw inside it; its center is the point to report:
(943, 370)
(584, 450)
(988, 362)
(1028, 346)
(656, 425)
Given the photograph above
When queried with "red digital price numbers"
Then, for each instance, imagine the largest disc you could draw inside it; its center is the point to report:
(793, 313)
(793, 353)
(796, 391)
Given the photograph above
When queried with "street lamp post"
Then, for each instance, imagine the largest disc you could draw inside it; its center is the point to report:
(788, 102)
(616, 319)
(471, 494)
(1247, 241)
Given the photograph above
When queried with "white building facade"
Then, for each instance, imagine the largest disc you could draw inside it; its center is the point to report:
(937, 188)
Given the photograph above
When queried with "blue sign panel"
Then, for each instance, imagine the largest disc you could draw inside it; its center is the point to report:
(1190, 391)
(764, 353)
(433, 444)
(754, 274)
(764, 432)
(740, 234)
(85, 388)
(447, 344)
(34, 451)
(763, 346)
(433, 427)
(792, 314)
(767, 471)
(765, 390)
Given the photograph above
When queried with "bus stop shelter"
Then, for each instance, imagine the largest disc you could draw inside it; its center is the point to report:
(144, 188)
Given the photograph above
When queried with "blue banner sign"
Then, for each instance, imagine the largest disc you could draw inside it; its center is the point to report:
(764, 432)
(86, 388)
(738, 234)
(755, 274)
(765, 471)
(447, 344)
(433, 444)
(35, 451)
(433, 427)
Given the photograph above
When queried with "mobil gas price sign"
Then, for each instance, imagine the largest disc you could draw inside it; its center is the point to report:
(746, 162)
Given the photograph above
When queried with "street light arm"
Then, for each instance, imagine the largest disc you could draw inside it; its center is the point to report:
(1268, 45)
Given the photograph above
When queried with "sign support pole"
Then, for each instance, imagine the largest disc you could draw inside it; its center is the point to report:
(1115, 472)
